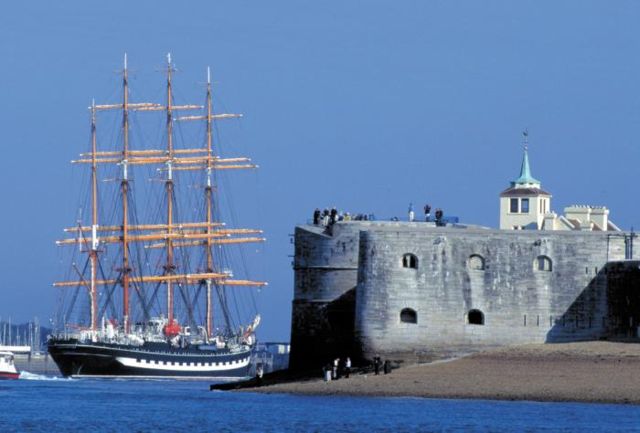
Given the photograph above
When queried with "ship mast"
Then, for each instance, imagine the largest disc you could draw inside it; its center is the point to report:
(169, 266)
(170, 234)
(208, 194)
(124, 186)
(93, 254)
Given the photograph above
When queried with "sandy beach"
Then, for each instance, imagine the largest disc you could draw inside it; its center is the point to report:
(605, 372)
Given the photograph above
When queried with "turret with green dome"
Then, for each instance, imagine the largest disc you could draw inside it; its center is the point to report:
(524, 203)
(525, 180)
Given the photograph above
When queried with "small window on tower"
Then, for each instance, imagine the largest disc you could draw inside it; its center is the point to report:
(475, 317)
(514, 205)
(408, 315)
(524, 205)
(476, 262)
(543, 263)
(410, 261)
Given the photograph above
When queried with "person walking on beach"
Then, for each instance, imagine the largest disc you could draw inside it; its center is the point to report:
(387, 367)
(326, 373)
(347, 367)
(336, 363)
(376, 365)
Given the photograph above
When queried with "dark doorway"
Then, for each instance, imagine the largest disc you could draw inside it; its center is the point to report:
(475, 317)
(407, 315)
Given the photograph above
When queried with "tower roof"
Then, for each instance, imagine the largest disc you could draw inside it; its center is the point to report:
(525, 180)
(525, 172)
(524, 192)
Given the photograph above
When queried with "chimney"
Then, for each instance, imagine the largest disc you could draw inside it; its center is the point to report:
(600, 216)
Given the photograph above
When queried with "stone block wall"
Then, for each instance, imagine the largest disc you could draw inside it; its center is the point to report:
(518, 302)
(325, 273)
(351, 285)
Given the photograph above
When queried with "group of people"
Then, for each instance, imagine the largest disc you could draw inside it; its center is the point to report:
(377, 363)
(328, 217)
(439, 214)
(337, 369)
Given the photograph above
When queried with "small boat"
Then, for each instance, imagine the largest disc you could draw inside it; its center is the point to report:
(16, 350)
(7, 366)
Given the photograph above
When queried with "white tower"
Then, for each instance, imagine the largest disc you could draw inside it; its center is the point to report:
(524, 203)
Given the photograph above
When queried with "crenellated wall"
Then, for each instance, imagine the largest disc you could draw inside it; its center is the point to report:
(569, 298)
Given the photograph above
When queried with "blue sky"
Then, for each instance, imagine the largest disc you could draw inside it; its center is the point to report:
(365, 105)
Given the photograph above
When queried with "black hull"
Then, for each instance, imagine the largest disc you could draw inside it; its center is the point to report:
(86, 359)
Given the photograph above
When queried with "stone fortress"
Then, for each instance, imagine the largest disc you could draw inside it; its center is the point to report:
(417, 291)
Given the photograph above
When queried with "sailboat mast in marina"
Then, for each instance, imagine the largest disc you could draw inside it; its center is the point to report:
(152, 295)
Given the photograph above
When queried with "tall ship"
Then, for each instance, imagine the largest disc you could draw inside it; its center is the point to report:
(148, 288)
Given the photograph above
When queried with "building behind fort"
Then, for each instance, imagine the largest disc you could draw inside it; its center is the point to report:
(420, 290)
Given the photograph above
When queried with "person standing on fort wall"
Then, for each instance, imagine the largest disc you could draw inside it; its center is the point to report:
(411, 213)
(439, 218)
(325, 217)
(427, 212)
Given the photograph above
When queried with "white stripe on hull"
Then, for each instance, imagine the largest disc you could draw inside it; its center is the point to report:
(157, 378)
(201, 367)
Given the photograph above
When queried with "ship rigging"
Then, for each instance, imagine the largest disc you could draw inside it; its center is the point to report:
(145, 280)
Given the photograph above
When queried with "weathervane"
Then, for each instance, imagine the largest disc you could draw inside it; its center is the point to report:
(525, 135)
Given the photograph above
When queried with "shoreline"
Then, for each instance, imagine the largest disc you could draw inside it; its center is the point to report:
(586, 372)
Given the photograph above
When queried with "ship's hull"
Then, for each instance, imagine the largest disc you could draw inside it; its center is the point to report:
(86, 359)
(9, 375)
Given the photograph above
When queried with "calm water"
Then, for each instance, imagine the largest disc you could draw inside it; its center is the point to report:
(59, 405)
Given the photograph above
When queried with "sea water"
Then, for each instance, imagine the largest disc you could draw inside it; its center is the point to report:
(48, 404)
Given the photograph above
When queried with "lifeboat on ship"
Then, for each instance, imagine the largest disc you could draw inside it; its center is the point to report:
(7, 366)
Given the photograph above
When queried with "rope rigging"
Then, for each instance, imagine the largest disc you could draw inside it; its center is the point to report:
(138, 186)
